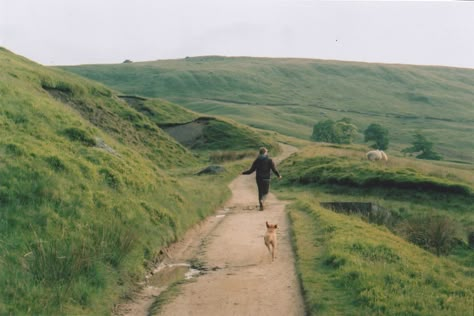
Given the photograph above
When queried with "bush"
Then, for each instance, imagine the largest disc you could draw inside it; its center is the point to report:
(434, 233)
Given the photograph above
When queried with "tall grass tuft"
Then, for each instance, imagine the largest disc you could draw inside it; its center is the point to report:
(113, 242)
(222, 156)
(56, 261)
(434, 233)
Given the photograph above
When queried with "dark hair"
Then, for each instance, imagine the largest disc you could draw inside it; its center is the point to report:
(263, 150)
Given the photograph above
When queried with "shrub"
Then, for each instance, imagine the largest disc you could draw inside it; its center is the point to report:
(434, 233)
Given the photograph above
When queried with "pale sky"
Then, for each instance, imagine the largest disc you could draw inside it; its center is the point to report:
(69, 32)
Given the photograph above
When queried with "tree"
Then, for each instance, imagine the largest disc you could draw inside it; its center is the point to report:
(339, 132)
(377, 133)
(424, 146)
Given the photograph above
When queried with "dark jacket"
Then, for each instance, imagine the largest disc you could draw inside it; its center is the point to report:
(263, 164)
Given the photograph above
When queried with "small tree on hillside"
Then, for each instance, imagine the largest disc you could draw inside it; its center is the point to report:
(424, 146)
(377, 133)
(346, 131)
(339, 132)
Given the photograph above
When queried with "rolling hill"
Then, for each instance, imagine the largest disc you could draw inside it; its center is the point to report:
(93, 185)
(91, 188)
(290, 95)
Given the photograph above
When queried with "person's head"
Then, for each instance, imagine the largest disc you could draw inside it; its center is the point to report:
(263, 151)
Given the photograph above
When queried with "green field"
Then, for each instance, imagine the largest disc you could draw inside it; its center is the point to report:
(290, 95)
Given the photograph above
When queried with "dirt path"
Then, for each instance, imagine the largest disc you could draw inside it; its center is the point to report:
(241, 278)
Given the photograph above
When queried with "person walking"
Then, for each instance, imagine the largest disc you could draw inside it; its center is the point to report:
(263, 165)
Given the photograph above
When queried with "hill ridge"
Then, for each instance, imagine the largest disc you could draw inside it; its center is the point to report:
(297, 93)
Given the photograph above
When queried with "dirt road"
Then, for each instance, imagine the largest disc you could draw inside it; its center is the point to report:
(241, 277)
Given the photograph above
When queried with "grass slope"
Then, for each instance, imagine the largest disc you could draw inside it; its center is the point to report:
(218, 133)
(349, 266)
(90, 190)
(291, 95)
(344, 173)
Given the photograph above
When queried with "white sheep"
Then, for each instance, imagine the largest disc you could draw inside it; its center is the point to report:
(376, 155)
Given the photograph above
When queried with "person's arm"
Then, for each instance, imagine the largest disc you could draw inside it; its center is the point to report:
(252, 169)
(274, 169)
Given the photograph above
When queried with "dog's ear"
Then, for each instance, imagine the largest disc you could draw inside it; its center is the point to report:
(276, 225)
(268, 226)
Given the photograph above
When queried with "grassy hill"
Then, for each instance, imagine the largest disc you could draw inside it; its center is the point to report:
(91, 188)
(290, 95)
(354, 264)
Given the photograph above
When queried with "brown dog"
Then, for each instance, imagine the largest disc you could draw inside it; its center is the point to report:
(270, 238)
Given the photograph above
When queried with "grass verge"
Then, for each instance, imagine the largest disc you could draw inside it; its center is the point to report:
(347, 266)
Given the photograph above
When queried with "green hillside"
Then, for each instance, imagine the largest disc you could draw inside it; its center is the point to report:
(354, 264)
(91, 188)
(290, 95)
(93, 183)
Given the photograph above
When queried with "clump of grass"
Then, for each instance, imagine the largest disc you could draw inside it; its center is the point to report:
(49, 83)
(114, 243)
(14, 150)
(55, 163)
(222, 156)
(110, 178)
(57, 261)
(79, 135)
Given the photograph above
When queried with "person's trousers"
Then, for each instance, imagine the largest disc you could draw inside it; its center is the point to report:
(263, 186)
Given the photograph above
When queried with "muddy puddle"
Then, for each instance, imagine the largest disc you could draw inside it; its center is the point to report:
(167, 274)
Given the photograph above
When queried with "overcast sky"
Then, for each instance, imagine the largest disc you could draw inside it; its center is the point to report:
(65, 32)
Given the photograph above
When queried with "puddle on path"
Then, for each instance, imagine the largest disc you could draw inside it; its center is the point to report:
(166, 274)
